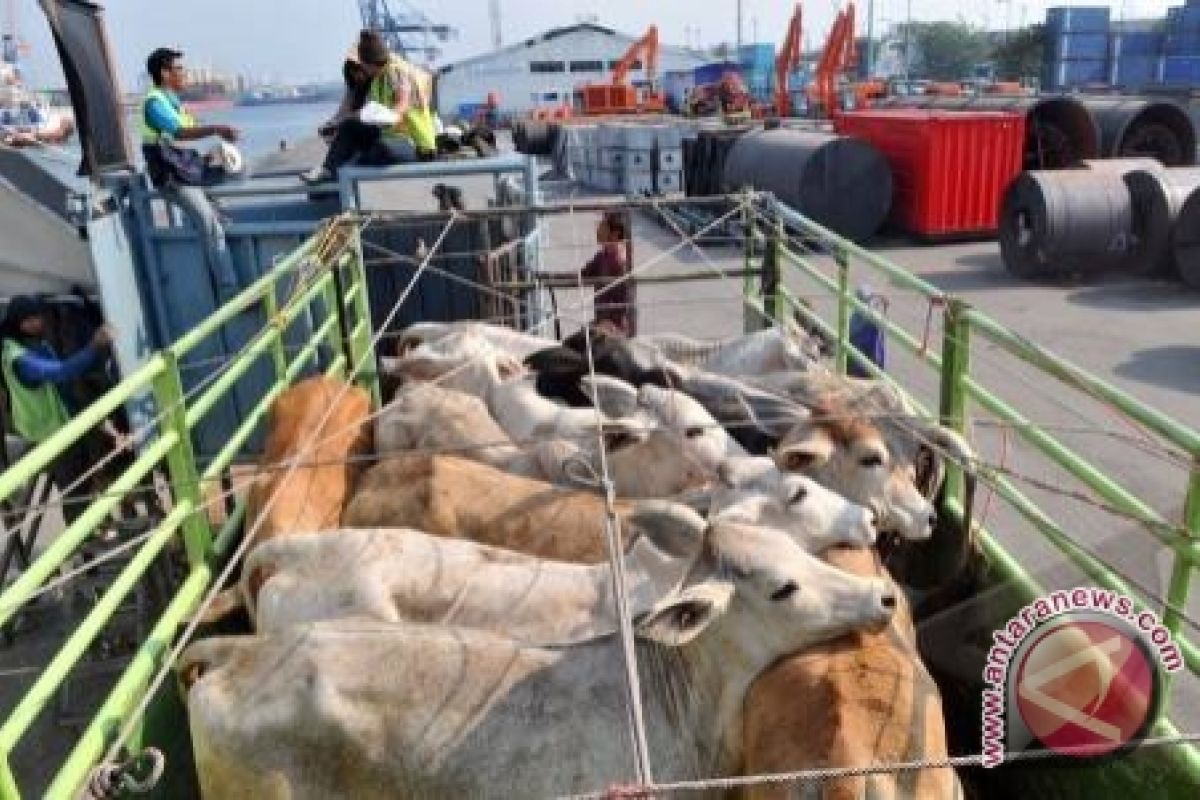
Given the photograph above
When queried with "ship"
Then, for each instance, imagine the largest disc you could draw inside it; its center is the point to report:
(26, 117)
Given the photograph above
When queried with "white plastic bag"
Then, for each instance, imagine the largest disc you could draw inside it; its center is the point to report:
(374, 113)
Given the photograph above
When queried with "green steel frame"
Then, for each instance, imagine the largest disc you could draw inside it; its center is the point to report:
(312, 280)
(960, 323)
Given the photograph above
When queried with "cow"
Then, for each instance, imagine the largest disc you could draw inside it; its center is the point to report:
(455, 497)
(506, 340)
(861, 700)
(424, 416)
(457, 712)
(399, 574)
(774, 349)
(318, 438)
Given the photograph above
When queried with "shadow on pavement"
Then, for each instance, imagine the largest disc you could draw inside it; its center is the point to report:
(1134, 294)
(1174, 366)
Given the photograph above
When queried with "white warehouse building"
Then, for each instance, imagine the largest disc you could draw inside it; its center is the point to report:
(546, 69)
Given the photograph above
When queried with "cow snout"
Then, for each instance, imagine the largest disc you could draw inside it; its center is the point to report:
(192, 673)
(868, 527)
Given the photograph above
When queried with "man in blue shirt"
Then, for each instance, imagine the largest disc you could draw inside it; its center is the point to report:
(39, 399)
(181, 174)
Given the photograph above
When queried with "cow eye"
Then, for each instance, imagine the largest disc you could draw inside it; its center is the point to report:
(798, 496)
(695, 432)
(873, 460)
(785, 591)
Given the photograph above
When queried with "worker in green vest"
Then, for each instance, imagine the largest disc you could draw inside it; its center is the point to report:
(38, 382)
(397, 86)
(181, 174)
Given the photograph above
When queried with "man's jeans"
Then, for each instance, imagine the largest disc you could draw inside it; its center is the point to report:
(202, 214)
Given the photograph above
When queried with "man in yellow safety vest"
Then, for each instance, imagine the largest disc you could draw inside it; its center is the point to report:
(36, 378)
(181, 174)
(398, 86)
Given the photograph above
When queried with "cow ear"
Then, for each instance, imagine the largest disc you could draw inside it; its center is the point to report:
(615, 397)
(813, 449)
(684, 614)
(673, 528)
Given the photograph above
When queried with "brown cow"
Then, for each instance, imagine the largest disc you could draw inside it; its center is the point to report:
(322, 424)
(456, 497)
(860, 700)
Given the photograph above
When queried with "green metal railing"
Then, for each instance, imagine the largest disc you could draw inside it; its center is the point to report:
(958, 388)
(303, 287)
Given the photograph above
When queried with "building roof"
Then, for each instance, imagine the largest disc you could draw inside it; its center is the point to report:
(552, 33)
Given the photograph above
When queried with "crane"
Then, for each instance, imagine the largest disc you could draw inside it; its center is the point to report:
(408, 32)
(786, 60)
(620, 97)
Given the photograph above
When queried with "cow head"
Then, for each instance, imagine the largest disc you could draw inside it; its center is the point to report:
(849, 454)
(463, 361)
(769, 597)
(754, 491)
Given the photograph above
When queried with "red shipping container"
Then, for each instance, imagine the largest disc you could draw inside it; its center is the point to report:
(950, 168)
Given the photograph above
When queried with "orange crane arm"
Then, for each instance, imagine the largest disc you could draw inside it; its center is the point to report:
(787, 60)
(823, 78)
(647, 46)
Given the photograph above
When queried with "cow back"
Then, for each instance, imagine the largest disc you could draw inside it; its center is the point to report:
(317, 441)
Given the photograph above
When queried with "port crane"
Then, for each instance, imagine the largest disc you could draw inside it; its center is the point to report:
(408, 31)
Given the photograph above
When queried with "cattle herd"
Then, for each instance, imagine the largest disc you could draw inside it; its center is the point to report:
(432, 606)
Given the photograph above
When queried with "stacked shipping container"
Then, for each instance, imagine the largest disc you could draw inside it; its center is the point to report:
(1076, 46)
(1181, 61)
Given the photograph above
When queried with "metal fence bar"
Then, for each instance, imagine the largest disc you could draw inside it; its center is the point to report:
(1162, 424)
(1181, 572)
(36, 697)
(843, 310)
(20, 590)
(181, 459)
(953, 393)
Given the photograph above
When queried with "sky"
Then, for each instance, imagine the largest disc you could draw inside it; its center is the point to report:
(299, 40)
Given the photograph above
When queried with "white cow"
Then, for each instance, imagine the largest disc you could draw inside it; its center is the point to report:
(404, 575)
(371, 710)
(427, 417)
(770, 350)
(515, 343)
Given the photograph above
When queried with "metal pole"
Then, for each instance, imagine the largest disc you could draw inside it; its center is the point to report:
(1181, 572)
(750, 321)
(739, 28)
(956, 365)
(870, 38)
(843, 309)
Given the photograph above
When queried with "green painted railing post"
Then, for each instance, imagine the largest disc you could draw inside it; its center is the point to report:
(1181, 573)
(270, 309)
(181, 460)
(843, 310)
(8, 784)
(750, 315)
(333, 308)
(361, 347)
(772, 303)
(956, 366)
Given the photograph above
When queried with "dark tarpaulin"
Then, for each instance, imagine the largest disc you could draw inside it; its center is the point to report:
(78, 29)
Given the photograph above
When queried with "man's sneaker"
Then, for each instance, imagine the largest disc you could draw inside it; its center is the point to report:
(316, 175)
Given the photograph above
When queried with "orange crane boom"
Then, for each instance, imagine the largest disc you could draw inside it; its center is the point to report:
(786, 61)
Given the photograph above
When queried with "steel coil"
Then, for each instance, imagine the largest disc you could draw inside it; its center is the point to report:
(1157, 195)
(1154, 128)
(1061, 221)
(1185, 241)
(534, 137)
(840, 182)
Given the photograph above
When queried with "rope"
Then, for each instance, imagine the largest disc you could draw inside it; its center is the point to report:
(136, 714)
(612, 535)
(834, 773)
(112, 780)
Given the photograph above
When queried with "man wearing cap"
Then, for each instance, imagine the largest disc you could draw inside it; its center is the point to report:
(182, 173)
(395, 84)
(36, 379)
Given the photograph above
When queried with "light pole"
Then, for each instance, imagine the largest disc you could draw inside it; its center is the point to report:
(870, 38)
